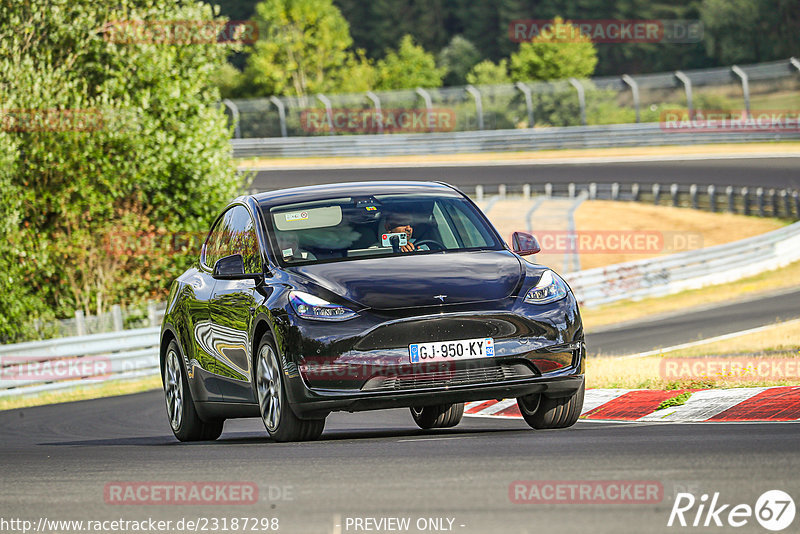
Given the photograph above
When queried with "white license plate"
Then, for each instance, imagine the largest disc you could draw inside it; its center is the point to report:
(445, 351)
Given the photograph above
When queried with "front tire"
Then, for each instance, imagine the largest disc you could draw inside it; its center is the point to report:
(542, 412)
(438, 416)
(183, 418)
(280, 421)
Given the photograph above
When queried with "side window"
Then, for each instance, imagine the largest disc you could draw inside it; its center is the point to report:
(471, 234)
(242, 238)
(215, 243)
(234, 233)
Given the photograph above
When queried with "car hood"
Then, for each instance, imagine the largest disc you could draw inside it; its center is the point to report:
(415, 280)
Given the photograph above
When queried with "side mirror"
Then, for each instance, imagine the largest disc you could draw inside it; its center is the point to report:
(524, 244)
(232, 268)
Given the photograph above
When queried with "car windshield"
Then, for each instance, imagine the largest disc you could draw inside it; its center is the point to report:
(349, 228)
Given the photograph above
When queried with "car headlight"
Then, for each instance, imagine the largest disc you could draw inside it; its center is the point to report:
(549, 288)
(308, 306)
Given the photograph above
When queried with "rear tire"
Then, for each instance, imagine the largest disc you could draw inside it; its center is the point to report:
(438, 416)
(281, 422)
(541, 412)
(183, 418)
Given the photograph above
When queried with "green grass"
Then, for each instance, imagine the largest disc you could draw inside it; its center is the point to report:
(679, 400)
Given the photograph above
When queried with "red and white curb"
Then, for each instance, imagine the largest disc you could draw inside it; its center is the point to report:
(736, 404)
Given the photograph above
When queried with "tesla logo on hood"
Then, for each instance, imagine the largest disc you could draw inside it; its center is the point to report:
(440, 297)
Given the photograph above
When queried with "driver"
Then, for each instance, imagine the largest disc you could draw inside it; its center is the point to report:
(397, 223)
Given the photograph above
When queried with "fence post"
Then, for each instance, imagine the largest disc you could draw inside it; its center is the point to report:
(673, 191)
(787, 204)
(281, 113)
(151, 313)
(525, 90)
(479, 192)
(80, 323)
(526, 191)
(581, 98)
(746, 201)
(796, 196)
(687, 86)
(615, 191)
(237, 131)
(745, 86)
(476, 94)
(593, 191)
(635, 191)
(328, 111)
(760, 201)
(501, 191)
(635, 91)
(571, 190)
(426, 96)
(376, 103)
(656, 193)
(773, 201)
(693, 195)
(116, 317)
(548, 190)
(731, 203)
(712, 198)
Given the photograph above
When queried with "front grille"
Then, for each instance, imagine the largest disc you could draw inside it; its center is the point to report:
(448, 328)
(446, 378)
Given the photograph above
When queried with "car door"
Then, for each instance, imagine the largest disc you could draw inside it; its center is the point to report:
(232, 307)
(201, 284)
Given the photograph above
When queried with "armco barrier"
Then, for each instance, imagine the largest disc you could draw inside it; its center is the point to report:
(616, 135)
(38, 366)
(687, 270)
(134, 353)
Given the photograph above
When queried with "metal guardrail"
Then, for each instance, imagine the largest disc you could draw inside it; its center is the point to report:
(64, 363)
(616, 135)
(687, 270)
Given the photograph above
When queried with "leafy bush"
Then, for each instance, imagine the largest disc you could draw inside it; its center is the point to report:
(134, 141)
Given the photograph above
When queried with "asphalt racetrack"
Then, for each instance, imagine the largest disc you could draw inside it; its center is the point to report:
(778, 172)
(57, 460)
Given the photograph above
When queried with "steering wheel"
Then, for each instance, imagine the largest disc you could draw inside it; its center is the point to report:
(431, 243)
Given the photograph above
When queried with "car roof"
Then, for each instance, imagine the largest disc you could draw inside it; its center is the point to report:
(316, 192)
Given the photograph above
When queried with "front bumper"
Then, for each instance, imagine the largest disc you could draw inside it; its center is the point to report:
(363, 364)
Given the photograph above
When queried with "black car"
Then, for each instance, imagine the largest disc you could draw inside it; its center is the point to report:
(364, 296)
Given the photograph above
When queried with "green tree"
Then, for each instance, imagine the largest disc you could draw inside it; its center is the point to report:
(304, 48)
(740, 31)
(457, 58)
(487, 73)
(408, 67)
(555, 55)
(104, 141)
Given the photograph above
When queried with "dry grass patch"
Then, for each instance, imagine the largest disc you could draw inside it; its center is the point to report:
(778, 342)
(108, 389)
(674, 224)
